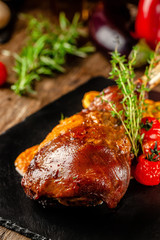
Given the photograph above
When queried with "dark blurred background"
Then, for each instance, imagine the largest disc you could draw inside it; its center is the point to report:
(118, 11)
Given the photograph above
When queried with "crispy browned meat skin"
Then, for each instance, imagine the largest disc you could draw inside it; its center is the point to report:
(85, 163)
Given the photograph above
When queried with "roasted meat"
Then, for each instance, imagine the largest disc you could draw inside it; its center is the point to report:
(85, 160)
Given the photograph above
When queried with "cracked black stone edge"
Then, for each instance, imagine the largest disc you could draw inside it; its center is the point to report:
(23, 231)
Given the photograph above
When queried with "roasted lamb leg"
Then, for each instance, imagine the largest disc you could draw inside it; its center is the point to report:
(85, 160)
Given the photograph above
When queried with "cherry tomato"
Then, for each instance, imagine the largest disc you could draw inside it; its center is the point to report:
(3, 74)
(147, 172)
(148, 145)
(150, 129)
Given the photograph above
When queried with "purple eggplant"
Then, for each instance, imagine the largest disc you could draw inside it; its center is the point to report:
(107, 35)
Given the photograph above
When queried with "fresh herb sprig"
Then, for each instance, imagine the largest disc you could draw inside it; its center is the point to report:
(46, 50)
(133, 96)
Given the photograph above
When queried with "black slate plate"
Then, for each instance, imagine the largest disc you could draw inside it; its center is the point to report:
(136, 217)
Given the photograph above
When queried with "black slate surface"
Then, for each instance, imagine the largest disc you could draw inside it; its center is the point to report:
(136, 217)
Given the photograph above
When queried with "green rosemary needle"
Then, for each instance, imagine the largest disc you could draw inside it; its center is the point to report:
(46, 50)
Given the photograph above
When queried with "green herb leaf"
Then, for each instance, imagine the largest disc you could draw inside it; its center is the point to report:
(74, 178)
(133, 98)
(62, 116)
(46, 50)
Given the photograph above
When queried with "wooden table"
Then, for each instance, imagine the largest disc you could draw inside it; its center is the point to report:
(14, 109)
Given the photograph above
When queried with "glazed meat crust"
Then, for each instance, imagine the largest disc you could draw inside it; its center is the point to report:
(85, 160)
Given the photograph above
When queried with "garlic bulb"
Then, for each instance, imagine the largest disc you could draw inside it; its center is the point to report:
(5, 14)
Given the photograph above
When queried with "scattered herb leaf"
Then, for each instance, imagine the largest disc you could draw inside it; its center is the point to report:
(46, 50)
(74, 178)
(62, 116)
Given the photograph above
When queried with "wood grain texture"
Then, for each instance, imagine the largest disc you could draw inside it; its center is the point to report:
(6, 234)
(14, 109)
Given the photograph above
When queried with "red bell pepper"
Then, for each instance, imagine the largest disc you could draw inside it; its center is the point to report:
(147, 23)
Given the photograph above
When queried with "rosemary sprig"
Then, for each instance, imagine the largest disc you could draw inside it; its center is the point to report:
(133, 96)
(46, 50)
